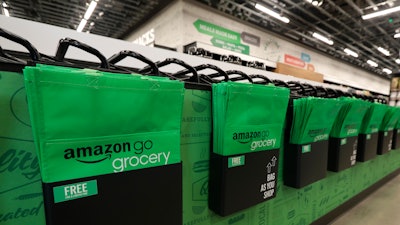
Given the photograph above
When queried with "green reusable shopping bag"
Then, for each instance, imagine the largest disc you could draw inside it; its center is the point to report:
(313, 119)
(21, 200)
(390, 119)
(373, 118)
(106, 137)
(247, 118)
(349, 118)
(248, 124)
(96, 123)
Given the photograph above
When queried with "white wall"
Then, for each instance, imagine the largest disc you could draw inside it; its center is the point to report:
(271, 48)
(167, 25)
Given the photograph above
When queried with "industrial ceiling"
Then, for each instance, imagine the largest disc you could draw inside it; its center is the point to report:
(340, 21)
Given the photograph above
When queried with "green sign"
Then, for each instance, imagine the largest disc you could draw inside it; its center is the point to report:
(217, 31)
(244, 49)
(236, 161)
(222, 37)
(75, 191)
(306, 148)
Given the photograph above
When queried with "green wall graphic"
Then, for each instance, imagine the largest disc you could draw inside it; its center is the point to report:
(222, 37)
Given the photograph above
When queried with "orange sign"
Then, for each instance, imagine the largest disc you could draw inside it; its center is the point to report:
(310, 67)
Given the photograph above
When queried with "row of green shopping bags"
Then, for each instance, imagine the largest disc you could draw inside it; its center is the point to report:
(111, 146)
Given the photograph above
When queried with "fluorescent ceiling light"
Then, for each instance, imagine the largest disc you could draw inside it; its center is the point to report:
(397, 61)
(82, 25)
(316, 2)
(87, 15)
(90, 10)
(384, 51)
(396, 35)
(372, 63)
(386, 70)
(6, 13)
(5, 10)
(350, 52)
(272, 13)
(322, 38)
(380, 13)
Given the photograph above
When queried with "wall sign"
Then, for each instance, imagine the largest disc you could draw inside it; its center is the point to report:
(292, 60)
(222, 37)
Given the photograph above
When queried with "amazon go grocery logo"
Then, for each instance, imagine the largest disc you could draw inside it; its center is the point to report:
(98, 153)
(248, 137)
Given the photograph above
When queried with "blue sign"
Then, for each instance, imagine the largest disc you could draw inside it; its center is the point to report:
(305, 57)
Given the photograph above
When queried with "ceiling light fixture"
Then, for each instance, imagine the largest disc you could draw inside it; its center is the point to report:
(87, 15)
(90, 10)
(272, 13)
(380, 13)
(384, 51)
(350, 52)
(397, 61)
(82, 25)
(372, 63)
(322, 38)
(5, 10)
(397, 35)
(386, 70)
(316, 2)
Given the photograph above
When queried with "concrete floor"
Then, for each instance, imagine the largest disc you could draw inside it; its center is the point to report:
(380, 208)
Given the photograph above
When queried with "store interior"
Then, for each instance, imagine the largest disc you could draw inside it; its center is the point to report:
(329, 68)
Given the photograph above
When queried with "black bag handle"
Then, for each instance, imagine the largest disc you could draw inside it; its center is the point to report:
(280, 83)
(64, 44)
(125, 53)
(10, 57)
(331, 93)
(168, 61)
(309, 90)
(205, 78)
(321, 92)
(265, 80)
(243, 76)
(208, 78)
(296, 88)
(33, 52)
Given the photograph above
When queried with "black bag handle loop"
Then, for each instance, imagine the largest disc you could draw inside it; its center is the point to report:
(125, 53)
(321, 92)
(296, 88)
(10, 57)
(243, 76)
(33, 52)
(64, 44)
(309, 90)
(208, 78)
(280, 83)
(331, 93)
(190, 69)
(265, 80)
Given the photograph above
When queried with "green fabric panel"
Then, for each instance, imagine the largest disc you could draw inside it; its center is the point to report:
(349, 118)
(373, 118)
(247, 117)
(95, 123)
(390, 119)
(313, 119)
